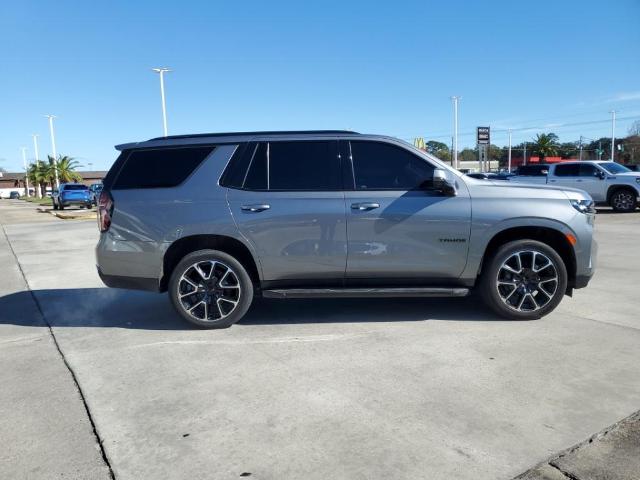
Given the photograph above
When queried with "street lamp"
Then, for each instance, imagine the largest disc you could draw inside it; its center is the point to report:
(26, 171)
(613, 133)
(455, 131)
(37, 159)
(53, 148)
(509, 160)
(162, 71)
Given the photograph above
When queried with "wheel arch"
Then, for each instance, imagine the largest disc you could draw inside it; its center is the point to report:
(616, 188)
(185, 245)
(555, 238)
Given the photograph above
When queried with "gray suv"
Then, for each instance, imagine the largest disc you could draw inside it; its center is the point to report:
(216, 219)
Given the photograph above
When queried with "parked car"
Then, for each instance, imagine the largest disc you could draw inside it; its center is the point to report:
(490, 175)
(608, 183)
(71, 194)
(217, 219)
(14, 195)
(538, 170)
(94, 190)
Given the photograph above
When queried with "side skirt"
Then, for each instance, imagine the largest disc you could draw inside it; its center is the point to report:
(366, 292)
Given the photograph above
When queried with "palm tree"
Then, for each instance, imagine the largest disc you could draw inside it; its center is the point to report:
(38, 174)
(66, 167)
(546, 145)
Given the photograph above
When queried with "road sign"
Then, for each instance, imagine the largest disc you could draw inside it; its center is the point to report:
(484, 135)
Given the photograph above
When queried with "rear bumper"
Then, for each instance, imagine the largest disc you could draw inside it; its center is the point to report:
(130, 283)
(75, 201)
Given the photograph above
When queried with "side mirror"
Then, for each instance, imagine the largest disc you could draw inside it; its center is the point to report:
(600, 174)
(442, 184)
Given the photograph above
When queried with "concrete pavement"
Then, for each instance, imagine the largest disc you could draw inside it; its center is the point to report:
(319, 389)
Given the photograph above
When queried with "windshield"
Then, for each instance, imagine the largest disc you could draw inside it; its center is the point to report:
(613, 167)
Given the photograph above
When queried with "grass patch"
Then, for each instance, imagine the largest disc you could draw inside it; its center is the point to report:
(39, 201)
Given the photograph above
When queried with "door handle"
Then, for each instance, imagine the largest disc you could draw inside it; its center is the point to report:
(364, 206)
(579, 180)
(255, 208)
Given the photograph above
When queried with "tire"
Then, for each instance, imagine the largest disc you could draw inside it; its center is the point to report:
(55, 205)
(528, 299)
(60, 206)
(623, 200)
(220, 311)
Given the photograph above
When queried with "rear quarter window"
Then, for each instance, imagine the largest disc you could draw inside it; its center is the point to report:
(159, 168)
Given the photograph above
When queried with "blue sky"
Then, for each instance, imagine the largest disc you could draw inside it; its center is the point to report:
(376, 67)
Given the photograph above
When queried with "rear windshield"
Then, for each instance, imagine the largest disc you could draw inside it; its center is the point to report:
(159, 168)
(76, 187)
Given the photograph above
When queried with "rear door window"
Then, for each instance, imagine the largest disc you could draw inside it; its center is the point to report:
(571, 170)
(159, 168)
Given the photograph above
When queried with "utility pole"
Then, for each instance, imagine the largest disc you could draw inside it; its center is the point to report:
(26, 171)
(53, 148)
(455, 131)
(162, 71)
(613, 134)
(524, 159)
(37, 159)
(580, 148)
(509, 156)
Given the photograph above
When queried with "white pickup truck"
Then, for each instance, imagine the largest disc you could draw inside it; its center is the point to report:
(607, 182)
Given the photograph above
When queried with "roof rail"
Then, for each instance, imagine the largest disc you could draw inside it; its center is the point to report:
(237, 134)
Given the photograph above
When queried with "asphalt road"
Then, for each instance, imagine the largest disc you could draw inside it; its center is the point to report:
(339, 389)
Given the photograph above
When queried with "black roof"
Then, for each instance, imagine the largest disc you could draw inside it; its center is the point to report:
(260, 133)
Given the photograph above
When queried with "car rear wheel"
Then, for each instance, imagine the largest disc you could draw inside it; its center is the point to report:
(624, 200)
(55, 205)
(524, 280)
(210, 289)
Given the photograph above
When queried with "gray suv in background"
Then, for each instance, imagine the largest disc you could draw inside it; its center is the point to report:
(216, 219)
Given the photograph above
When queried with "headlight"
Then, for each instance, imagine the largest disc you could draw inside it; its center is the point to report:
(584, 206)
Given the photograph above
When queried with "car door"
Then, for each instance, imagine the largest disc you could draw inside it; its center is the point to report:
(590, 181)
(565, 175)
(290, 207)
(399, 228)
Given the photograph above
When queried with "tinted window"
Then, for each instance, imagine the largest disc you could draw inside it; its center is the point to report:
(256, 177)
(294, 166)
(236, 170)
(570, 170)
(159, 168)
(533, 170)
(380, 166)
(76, 187)
(587, 170)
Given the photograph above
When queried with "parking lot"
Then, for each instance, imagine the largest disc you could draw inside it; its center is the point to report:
(344, 388)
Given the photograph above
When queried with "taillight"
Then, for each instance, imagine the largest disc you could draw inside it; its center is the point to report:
(105, 209)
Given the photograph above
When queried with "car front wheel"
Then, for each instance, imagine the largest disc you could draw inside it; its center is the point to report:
(624, 201)
(524, 280)
(210, 289)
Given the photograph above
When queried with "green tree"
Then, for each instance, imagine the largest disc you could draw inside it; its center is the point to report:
(545, 145)
(438, 149)
(568, 149)
(468, 155)
(66, 167)
(38, 174)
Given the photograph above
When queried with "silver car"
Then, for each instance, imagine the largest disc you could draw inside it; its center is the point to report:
(216, 219)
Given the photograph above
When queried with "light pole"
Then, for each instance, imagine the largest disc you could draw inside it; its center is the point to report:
(53, 148)
(37, 159)
(524, 159)
(455, 131)
(162, 71)
(26, 171)
(613, 133)
(509, 156)
(580, 148)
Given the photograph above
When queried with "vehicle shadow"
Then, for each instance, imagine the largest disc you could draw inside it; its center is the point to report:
(112, 308)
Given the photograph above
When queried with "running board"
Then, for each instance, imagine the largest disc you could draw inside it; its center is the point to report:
(366, 292)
